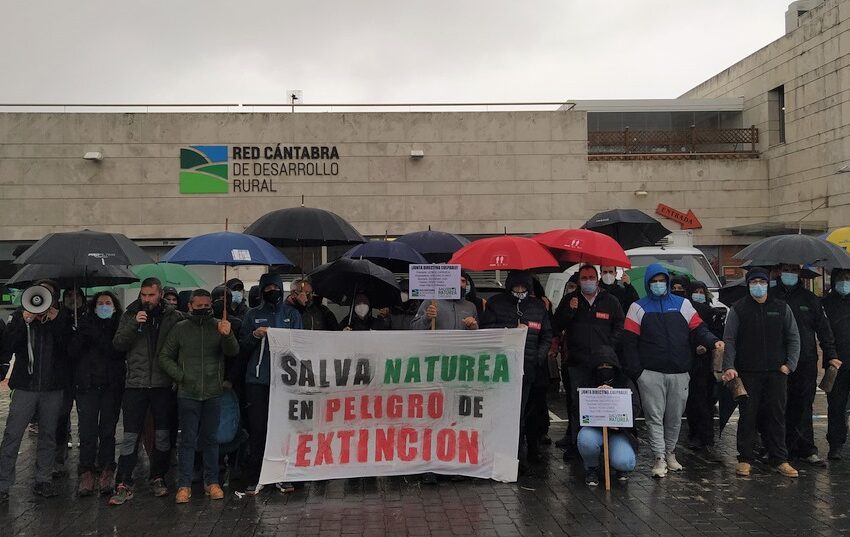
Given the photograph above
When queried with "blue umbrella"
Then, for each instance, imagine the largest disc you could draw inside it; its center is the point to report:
(225, 248)
(435, 246)
(393, 255)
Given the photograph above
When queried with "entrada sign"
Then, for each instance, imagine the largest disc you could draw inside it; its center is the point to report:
(213, 169)
(687, 220)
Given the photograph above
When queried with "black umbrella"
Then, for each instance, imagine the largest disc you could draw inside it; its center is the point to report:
(795, 249)
(392, 255)
(68, 276)
(629, 227)
(341, 280)
(304, 226)
(84, 248)
(733, 291)
(435, 246)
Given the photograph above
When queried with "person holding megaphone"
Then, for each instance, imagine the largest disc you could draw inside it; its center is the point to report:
(37, 335)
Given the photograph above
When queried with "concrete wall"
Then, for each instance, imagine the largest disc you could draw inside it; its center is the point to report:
(481, 173)
(813, 64)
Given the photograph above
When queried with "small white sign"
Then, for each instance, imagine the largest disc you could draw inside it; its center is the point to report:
(435, 282)
(605, 407)
(240, 255)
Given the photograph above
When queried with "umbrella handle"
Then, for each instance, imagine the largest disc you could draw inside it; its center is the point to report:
(224, 298)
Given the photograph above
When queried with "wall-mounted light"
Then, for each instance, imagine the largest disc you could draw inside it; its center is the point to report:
(93, 155)
(417, 154)
(641, 192)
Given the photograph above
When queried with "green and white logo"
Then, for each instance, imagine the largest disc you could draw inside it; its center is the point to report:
(203, 169)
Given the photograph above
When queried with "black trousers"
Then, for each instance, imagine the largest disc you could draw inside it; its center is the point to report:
(565, 380)
(257, 414)
(63, 428)
(580, 376)
(134, 405)
(836, 430)
(765, 406)
(799, 435)
(701, 400)
(98, 408)
(537, 416)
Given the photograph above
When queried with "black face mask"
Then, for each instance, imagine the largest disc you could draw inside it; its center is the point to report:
(202, 312)
(679, 293)
(605, 375)
(272, 297)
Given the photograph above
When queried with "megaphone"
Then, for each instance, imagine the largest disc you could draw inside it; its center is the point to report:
(37, 299)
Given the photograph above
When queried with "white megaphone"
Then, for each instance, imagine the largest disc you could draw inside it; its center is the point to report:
(37, 299)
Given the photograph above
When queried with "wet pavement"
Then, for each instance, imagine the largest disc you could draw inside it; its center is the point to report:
(704, 499)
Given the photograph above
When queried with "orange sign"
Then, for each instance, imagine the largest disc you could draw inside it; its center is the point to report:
(687, 220)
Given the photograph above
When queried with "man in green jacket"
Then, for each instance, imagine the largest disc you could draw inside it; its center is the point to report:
(193, 355)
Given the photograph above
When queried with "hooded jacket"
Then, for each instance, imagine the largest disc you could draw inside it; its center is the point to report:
(658, 331)
(279, 315)
(811, 321)
(450, 315)
(837, 309)
(49, 368)
(142, 343)
(479, 303)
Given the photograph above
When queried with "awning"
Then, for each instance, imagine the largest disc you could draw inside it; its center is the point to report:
(768, 229)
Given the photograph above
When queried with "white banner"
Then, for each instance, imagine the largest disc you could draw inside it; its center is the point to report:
(434, 282)
(378, 403)
(605, 407)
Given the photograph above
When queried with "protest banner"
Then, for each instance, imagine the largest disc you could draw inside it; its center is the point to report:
(434, 282)
(381, 403)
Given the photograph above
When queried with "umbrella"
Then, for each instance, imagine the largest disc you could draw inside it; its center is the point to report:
(67, 276)
(341, 280)
(631, 228)
(584, 246)
(796, 249)
(435, 246)
(170, 274)
(733, 291)
(636, 274)
(304, 226)
(840, 237)
(504, 252)
(84, 248)
(225, 248)
(392, 255)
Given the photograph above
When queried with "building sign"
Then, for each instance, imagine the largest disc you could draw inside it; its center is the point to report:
(219, 169)
(686, 220)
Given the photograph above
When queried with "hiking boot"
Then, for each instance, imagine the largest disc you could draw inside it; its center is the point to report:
(183, 495)
(158, 488)
(591, 478)
(122, 494)
(106, 481)
(787, 470)
(214, 492)
(622, 477)
(672, 464)
(659, 469)
(743, 469)
(814, 460)
(86, 486)
(285, 487)
(429, 478)
(253, 490)
(45, 489)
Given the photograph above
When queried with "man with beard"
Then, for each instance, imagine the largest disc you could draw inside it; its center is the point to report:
(314, 315)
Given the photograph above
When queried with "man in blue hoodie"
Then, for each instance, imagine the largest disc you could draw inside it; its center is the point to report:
(272, 312)
(657, 352)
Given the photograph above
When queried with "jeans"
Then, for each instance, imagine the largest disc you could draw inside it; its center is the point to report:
(22, 408)
(763, 410)
(134, 406)
(663, 397)
(198, 429)
(621, 454)
(98, 408)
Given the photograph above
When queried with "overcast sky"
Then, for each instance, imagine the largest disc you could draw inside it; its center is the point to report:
(181, 51)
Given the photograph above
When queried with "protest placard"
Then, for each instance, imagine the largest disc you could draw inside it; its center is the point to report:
(434, 282)
(605, 407)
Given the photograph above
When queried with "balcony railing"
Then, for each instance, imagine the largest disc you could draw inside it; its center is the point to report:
(685, 143)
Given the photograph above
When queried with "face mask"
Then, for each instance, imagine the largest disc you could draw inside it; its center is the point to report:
(362, 310)
(272, 297)
(772, 284)
(237, 297)
(842, 287)
(789, 279)
(699, 298)
(404, 297)
(520, 296)
(571, 289)
(588, 287)
(658, 288)
(608, 279)
(604, 375)
(202, 312)
(466, 290)
(680, 293)
(104, 311)
(758, 290)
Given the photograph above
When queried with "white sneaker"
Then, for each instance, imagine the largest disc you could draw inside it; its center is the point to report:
(659, 469)
(673, 464)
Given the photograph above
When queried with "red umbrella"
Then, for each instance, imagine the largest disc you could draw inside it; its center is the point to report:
(584, 246)
(504, 253)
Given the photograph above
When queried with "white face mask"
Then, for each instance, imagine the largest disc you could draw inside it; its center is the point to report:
(608, 278)
(404, 296)
(362, 310)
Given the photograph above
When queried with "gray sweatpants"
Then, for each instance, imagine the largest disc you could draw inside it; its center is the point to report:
(22, 408)
(663, 397)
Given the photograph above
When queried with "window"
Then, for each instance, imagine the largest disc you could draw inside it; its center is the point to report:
(776, 115)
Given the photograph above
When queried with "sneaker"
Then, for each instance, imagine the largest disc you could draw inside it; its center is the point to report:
(86, 486)
(214, 492)
(253, 490)
(742, 469)
(285, 487)
(106, 481)
(591, 478)
(622, 477)
(183, 495)
(158, 487)
(787, 470)
(814, 460)
(122, 494)
(659, 469)
(45, 489)
(711, 455)
(672, 464)
(429, 478)
(834, 454)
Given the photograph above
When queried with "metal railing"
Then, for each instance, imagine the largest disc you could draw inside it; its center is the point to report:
(283, 107)
(693, 140)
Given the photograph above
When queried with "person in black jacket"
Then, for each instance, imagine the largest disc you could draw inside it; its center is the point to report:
(99, 383)
(401, 316)
(802, 383)
(837, 308)
(237, 305)
(39, 377)
(314, 314)
(510, 309)
(590, 319)
(361, 318)
(622, 290)
(468, 292)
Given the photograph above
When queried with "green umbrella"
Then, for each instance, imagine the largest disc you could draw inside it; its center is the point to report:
(170, 274)
(637, 275)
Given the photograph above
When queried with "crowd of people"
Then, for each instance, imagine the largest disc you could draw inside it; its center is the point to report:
(192, 388)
